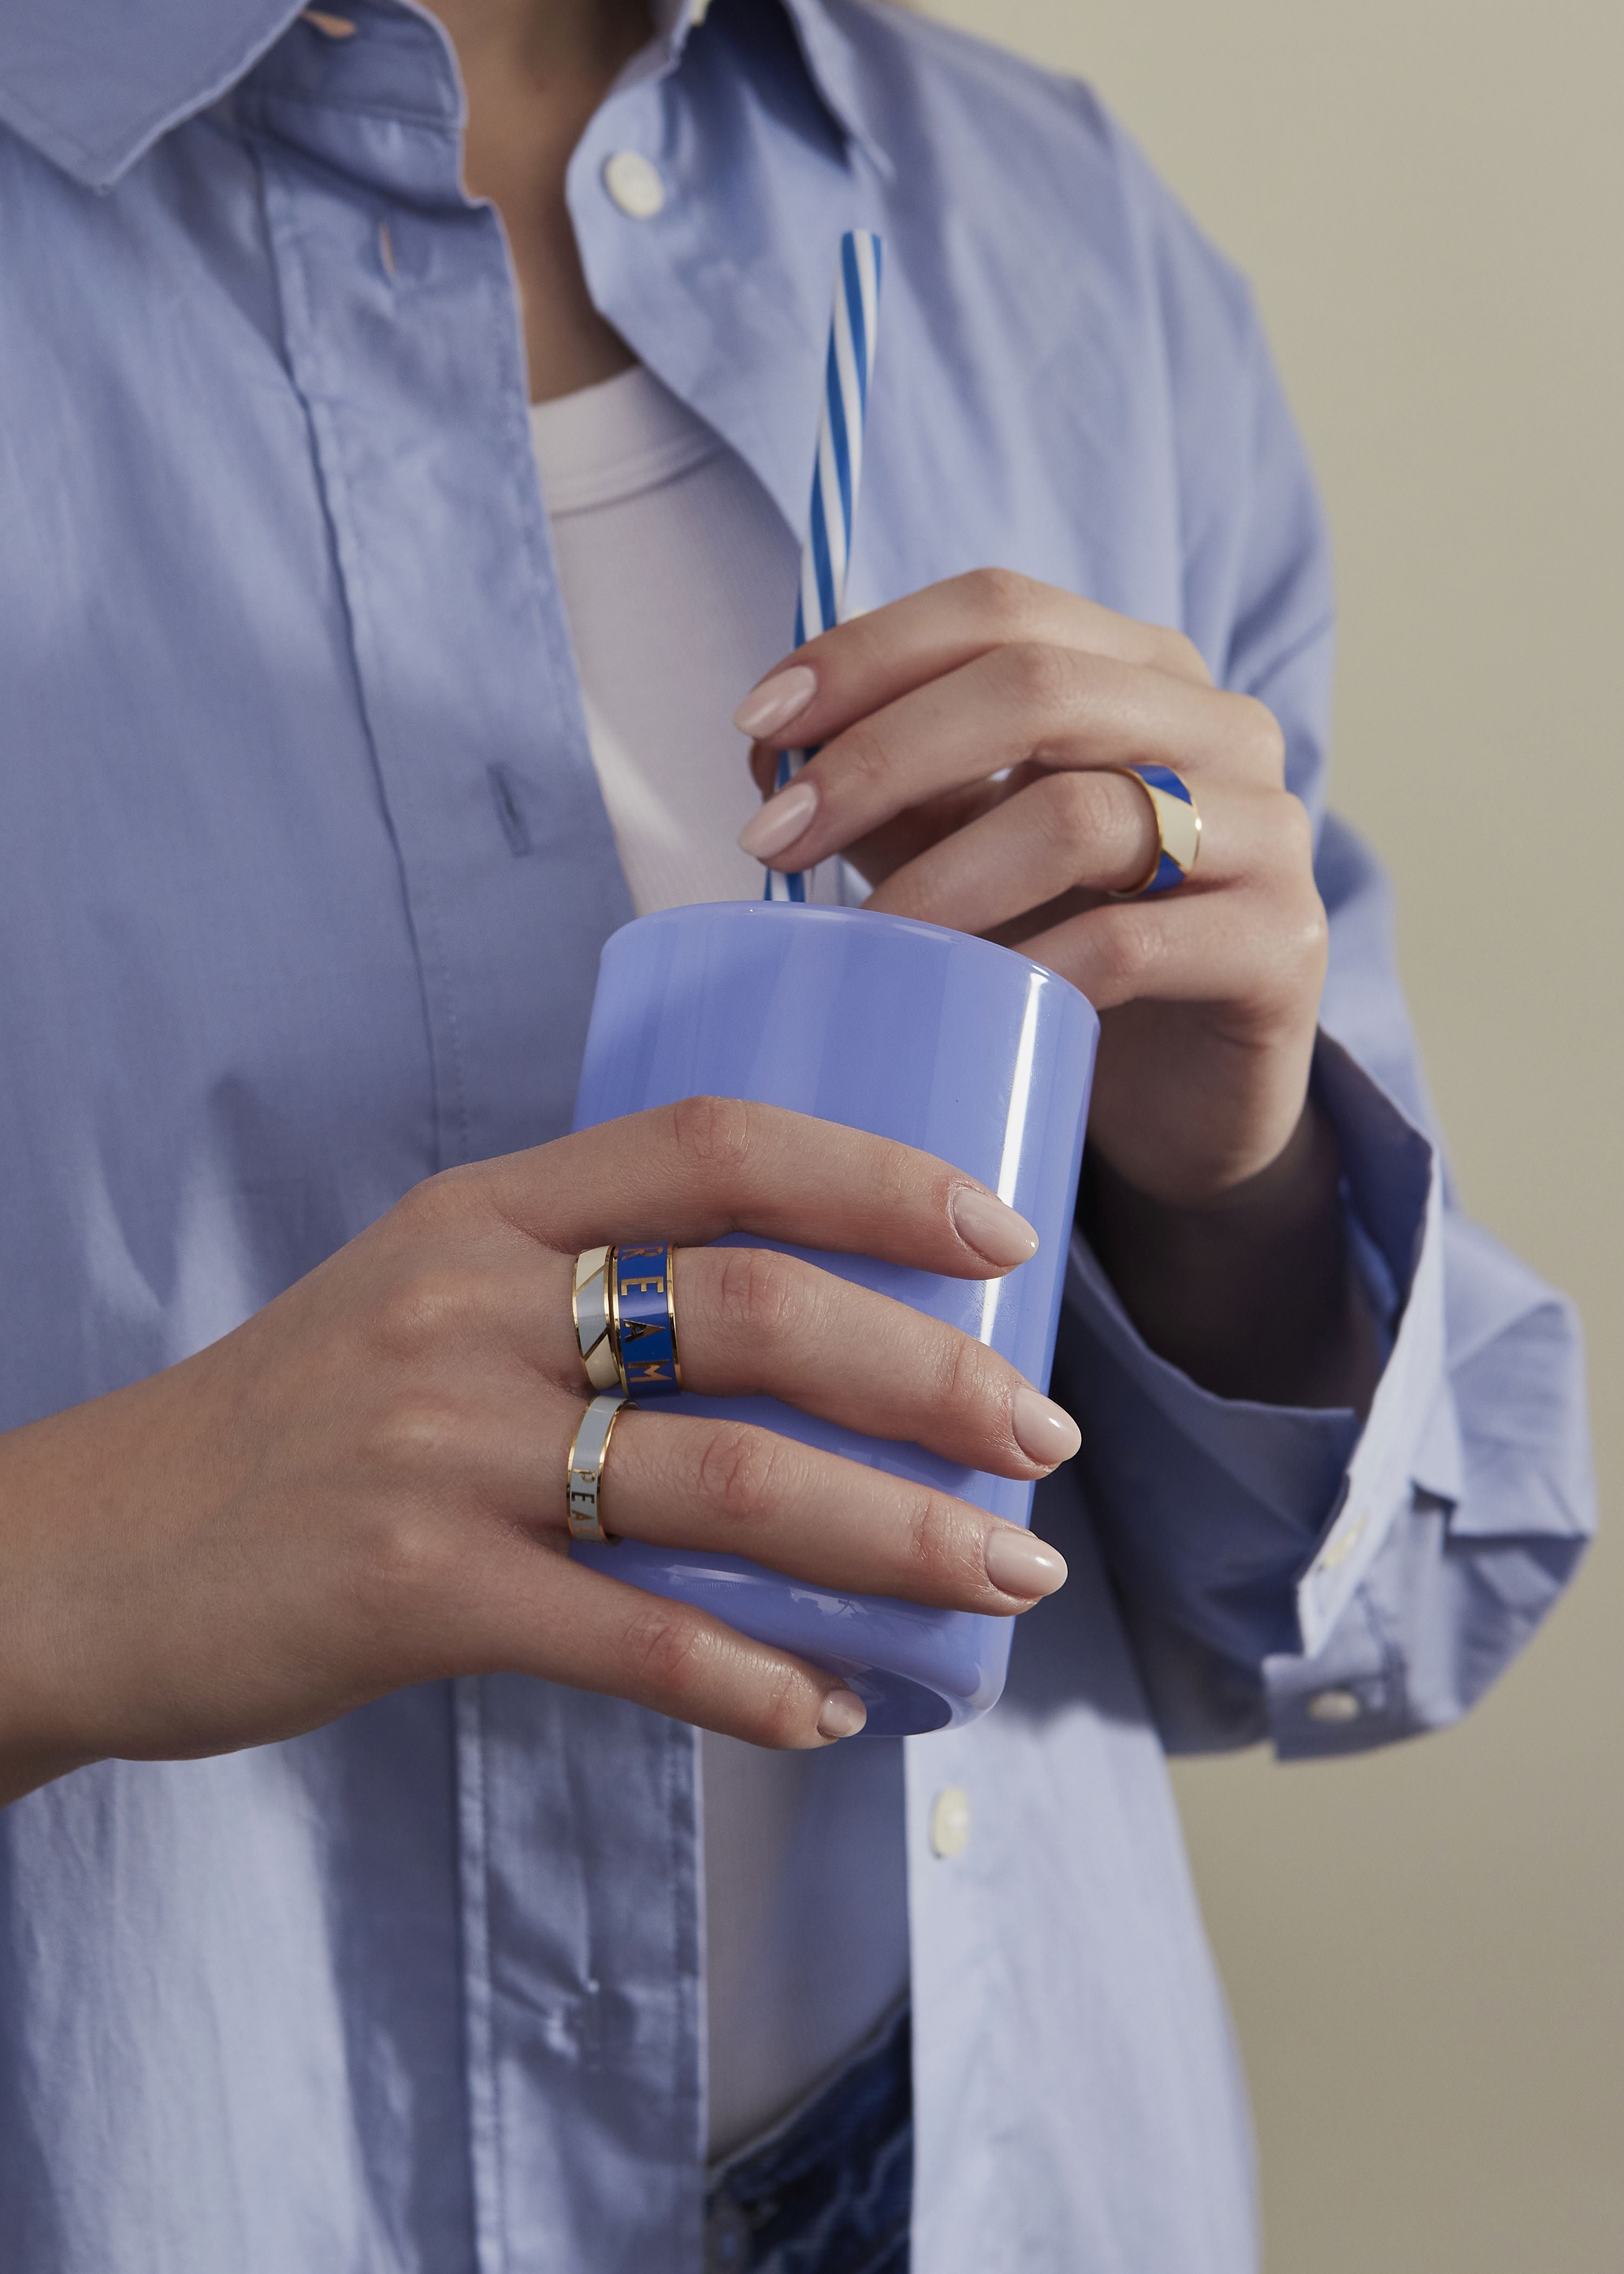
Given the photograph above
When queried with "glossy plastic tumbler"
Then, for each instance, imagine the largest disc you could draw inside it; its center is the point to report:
(965, 1049)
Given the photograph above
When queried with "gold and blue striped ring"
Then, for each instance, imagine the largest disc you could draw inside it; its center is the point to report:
(642, 1315)
(1178, 830)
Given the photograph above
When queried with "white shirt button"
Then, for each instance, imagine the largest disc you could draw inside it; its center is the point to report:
(1334, 1705)
(950, 1820)
(633, 181)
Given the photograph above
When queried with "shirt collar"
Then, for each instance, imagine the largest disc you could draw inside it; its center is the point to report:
(93, 86)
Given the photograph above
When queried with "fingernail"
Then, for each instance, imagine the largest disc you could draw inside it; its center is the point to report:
(1044, 1431)
(994, 1231)
(780, 821)
(844, 1713)
(1018, 1563)
(776, 702)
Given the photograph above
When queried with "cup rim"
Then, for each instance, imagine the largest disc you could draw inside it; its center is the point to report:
(811, 911)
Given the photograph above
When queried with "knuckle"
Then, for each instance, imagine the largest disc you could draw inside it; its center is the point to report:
(406, 1560)
(1124, 950)
(669, 1649)
(1077, 806)
(716, 1135)
(434, 1205)
(1177, 652)
(737, 1466)
(935, 1546)
(1312, 937)
(1000, 600)
(760, 1294)
(1259, 737)
(1296, 836)
(962, 1377)
(864, 760)
(426, 1306)
(415, 1439)
(1036, 677)
(781, 1717)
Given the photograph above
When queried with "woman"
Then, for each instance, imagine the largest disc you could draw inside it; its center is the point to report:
(371, 1901)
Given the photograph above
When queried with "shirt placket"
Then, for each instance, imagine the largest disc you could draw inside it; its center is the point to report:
(578, 1870)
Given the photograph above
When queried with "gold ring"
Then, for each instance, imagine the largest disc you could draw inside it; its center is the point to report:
(590, 1305)
(1178, 830)
(587, 1457)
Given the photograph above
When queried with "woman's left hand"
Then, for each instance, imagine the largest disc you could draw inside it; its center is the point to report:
(966, 735)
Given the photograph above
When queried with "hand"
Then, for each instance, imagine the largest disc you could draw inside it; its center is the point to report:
(364, 1485)
(966, 734)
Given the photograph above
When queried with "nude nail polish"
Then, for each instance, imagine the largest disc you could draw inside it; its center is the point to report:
(780, 821)
(1044, 1431)
(1019, 1563)
(984, 1222)
(844, 1713)
(778, 700)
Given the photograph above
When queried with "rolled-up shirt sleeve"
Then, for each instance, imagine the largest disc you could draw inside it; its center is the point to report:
(1289, 1573)
(1298, 1575)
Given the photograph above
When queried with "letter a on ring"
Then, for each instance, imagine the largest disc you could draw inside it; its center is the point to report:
(587, 1456)
(643, 1301)
(1178, 829)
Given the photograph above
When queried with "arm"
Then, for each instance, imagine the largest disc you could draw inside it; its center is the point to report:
(1345, 1585)
(1287, 1358)
(365, 1485)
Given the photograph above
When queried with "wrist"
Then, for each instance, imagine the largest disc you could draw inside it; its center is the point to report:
(1251, 1294)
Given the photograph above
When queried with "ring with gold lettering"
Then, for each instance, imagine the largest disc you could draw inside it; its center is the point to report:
(587, 1457)
(1178, 830)
(643, 1318)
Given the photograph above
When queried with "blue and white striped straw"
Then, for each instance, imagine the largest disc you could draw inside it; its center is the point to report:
(836, 474)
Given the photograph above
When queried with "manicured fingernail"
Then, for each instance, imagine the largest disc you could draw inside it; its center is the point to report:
(780, 821)
(1044, 1431)
(994, 1231)
(844, 1713)
(776, 702)
(1019, 1564)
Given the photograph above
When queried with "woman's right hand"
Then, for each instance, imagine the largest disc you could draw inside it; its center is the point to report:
(364, 1485)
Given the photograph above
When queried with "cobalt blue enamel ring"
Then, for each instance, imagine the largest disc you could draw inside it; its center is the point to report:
(626, 1319)
(643, 1305)
(1178, 830)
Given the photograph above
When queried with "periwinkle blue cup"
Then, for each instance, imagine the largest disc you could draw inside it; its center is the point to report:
(965, 1049)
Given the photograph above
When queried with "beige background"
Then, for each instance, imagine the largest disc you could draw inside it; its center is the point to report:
(1424, 1947)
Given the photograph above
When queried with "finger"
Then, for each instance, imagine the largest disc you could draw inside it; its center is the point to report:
(859, 666)
(1062, 833)
(1046, 705)
(706, 1166)
(543, 1615)
(1251, 947)
(727, 1487)
(752, 1322)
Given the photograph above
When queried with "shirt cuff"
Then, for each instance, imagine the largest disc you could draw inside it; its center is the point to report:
(1252, 1526)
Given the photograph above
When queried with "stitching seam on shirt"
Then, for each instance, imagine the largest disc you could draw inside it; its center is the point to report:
(330, 471)
(485, 2131)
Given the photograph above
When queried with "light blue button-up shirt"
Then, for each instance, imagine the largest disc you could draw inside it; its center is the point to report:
(281, 655)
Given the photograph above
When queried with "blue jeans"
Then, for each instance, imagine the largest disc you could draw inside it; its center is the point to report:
(828, 2191)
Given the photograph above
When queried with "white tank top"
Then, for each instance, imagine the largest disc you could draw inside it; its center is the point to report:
(679, 578)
